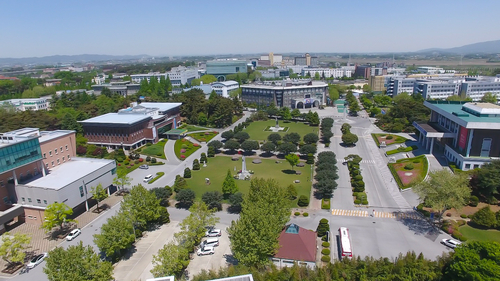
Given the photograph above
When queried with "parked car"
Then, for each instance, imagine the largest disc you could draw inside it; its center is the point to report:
(450, 243)
(210, 242)
(144, 166)
(148, 178)
(213, 232)
(73, 234)
(202, 251)
(36, 260)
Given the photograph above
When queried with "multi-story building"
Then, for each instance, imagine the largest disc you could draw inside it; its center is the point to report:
(39, 168)
(475, 88)
(132, 127)
(32, 104)
(364, 71)
(307, 60)
(225, 88)
(326, 72)
(177, 75)
(377, 84)
(467, 132)
(402, 85)
(440, 89)
(124, 88)
(430, 70)
(221, 68)
(290, 93)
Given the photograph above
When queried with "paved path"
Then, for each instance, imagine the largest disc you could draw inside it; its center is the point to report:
(376, 214)
(170, 153)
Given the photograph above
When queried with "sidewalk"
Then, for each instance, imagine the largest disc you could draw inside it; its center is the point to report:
(170, 153)
(137, 265)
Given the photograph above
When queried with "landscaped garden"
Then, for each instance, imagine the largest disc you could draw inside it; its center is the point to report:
(183, 148)
(257, 129)
(204, 136)
(475, 234)
(409, 171)
(217, 167)
(388, 139)
(154, 150)
(192, 128)
(402, 149)
(128, 165)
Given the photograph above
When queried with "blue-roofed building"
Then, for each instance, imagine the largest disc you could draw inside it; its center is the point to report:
(468, 133)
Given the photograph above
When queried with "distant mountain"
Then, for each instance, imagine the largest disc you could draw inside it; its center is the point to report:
(66, 59)
(489, 47)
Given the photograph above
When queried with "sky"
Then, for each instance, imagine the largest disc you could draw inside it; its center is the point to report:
(185, 27)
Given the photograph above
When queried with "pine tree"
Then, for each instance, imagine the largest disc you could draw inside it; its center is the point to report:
(229, 185)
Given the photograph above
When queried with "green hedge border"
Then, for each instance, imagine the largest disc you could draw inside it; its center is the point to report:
(407, 149)
(158, 175)
(374, 136)
(326, 206)
(395, 174)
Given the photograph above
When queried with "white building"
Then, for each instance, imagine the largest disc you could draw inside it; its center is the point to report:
(430, 70)
(327, 72)
(100, 79)
(33, 104)
(476, 88)
(178, 75)
(224, 88)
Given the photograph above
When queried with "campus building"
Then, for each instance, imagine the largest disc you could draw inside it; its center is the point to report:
(32, 104)
(224, 88)
(468, 133)
(297, 245)
(132, 127)
(177, 75)
(307, 60)
(302, 93)
(123, 88)
(38, 168)
(221, 68)
(326, 72)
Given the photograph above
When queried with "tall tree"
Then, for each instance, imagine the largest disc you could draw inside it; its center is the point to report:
(292, 159)
(489, 97)
(116, 235)
(487, 178)
(122, 179)
(444, 190)
(12, 249)
(98, 193)
(287, 148)
(474, 261)
(193, 227)
(170, 260)
(144, 207)
(213, 199)
(229, 185)
(56, 214)
(265, 211)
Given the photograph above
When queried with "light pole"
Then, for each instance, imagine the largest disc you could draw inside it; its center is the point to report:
(311, 173)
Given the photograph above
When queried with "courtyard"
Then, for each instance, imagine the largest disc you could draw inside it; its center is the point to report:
(257, 129)
(217, 167)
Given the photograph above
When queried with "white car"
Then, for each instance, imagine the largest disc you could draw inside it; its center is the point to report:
(213, 232)
(205, 251)
(36, 260)
(73, 234)
(450, 243)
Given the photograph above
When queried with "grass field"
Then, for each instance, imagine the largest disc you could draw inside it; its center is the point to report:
(187, 145)
(393, 139)
(155, 150)
(256, 129)
(193, 128)
(217, 168)
(204, 136)
(474, 234)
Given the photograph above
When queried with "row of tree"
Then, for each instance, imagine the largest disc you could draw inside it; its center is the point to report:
(472, 261)
(348, 138)
(326, 130)
(326, 174)
(405, 110)
(352, 101)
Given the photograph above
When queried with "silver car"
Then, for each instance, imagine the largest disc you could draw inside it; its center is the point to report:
(36, 260)
(450, 243)
(73, 234)
(205, 251)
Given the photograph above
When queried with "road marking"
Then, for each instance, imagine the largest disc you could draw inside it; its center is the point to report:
(387, 215)
(340, 160)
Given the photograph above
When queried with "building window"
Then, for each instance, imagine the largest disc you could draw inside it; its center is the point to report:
(64, 160)
(45, 202)
(68, 157)
(50, 153)
(55, 150)
(38, 201)
(66, 147)
(47, 165)
(61, 149)
(22, 199)
(44, 155)
(81, 191)
(467, 166)
(52, 163)
(29, 200)
(2, 184)
(58, 161)
(6, 200)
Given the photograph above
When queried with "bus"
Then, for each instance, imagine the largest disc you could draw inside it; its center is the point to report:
(345, 243)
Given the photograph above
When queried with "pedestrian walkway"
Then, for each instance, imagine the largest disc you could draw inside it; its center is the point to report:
(389, 215)
(170, 153)
(340, 160)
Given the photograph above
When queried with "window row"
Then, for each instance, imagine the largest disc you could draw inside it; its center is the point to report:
(38, 201)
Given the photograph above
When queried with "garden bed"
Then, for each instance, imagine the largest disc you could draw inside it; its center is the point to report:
(268, 129)
(204, 136)
(393, 139)
(155, 150)
(402, 149)
(183, 148)
(406, 177)
(325, 204)
(158, 175)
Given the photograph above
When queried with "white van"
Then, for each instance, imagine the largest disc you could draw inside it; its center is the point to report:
(211, 242)
(148, 178)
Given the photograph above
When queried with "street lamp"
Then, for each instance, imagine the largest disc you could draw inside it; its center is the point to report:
(311, 173)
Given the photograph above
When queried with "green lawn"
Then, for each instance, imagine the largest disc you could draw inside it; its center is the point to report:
(393, 139)
(193, 128)
(217, 168)
(474, 234)
(256, 129)
(204, 136)
(187, 145)
(155, 150)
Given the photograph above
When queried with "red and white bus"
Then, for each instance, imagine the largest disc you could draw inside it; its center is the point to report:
(345, 243)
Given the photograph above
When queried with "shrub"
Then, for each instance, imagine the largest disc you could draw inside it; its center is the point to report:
(358, 177)
(184, 145)
(159, 154)
(357, 201)
(325, 244)
(325, 252)
(126, 162)
(136, 161)
(457, 235)
(325, 258)
(463, 216)
(195, 145)
(141, 160)
(322, 228)
(148, 159)
(485, 217)
(132, 164)
(183, 150)
(389, 137)
(149, 144)
(474, 201)
(305, 214)
(416, 161)
(303, 201)
(409, 166)
(364, 202)
(187, 173)
(183, 156)
(296, 214)
(461, 222)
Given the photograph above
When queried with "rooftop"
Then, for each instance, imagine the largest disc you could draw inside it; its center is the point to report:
(115, 118)
(297, 243)
(162, 106)
(226, 83)
(69, 172)
(467, 111)
(279, 85)
(50, 135)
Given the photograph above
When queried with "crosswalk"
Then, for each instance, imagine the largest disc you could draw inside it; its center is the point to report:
(341, 160)
(376, 214)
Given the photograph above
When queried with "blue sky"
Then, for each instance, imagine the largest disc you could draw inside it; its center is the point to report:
(184, 27)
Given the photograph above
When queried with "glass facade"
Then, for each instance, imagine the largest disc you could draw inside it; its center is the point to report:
(19, 154)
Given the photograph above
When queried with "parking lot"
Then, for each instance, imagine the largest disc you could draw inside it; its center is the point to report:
(220, 258)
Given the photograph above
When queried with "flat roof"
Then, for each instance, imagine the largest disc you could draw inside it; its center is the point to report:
(455, 110)
(162, 106)
(270, 87)
(115, 118)
(69, 172)
(50, 135)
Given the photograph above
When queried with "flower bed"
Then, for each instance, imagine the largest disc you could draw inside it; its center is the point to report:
(204, 136)
(388, 138)
(406, 177)
(186, 146)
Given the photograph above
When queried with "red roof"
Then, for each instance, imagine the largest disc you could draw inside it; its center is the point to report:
(8, 78)
(298, 247)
